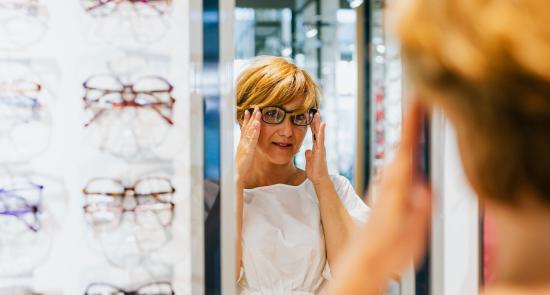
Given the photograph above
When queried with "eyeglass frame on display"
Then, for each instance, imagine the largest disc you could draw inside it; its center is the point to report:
(117, 2)
(33, 209)
(129, 103)
(37, 87)
(311, 112)
(130, 292)
(29, 6)
(88, 208)
(131, 188)
(23, 92)
(19, 4)
(30, 102)
(18, 290)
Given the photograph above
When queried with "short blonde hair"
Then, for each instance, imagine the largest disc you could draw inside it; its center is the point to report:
(488, 61)
(274, 81)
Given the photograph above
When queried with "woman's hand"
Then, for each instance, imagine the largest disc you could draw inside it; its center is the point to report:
(397, 231)
(250, 132)
(316, 162)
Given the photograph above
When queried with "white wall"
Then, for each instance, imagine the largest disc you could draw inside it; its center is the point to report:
(455, 225)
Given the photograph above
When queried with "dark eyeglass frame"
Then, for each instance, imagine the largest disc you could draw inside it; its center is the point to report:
(129, 292)
(311, 113)
(28, 208)
(128, 89)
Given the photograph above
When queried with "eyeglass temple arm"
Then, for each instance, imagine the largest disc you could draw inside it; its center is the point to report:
(99, 4)
(94, 117)
(166, 118)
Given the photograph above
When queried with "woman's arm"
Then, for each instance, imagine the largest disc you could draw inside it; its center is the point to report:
(337, 223)
(238, 238)
(250, 131)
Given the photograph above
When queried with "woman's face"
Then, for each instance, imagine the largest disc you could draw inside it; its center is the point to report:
(279, 143)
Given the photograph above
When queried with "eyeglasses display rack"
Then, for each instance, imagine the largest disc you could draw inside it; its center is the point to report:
(95, 170)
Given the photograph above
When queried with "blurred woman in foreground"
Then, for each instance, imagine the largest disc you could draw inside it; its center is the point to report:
(486, 64)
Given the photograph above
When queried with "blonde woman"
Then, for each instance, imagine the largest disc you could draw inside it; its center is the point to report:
(486, 64)
(292, 224)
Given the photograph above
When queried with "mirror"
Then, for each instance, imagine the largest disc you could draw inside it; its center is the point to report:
(295, 212)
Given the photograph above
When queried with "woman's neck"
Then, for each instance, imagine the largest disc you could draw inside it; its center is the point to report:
(523, 243)
(265, 173)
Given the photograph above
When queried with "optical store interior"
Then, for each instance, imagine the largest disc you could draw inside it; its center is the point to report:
(278, 147)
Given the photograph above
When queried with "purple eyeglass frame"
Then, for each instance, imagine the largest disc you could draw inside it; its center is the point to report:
(27, 209)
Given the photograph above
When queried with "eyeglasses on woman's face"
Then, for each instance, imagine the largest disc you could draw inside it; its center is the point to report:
(276, 115)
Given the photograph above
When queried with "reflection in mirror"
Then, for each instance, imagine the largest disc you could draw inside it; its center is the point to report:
(297, 205)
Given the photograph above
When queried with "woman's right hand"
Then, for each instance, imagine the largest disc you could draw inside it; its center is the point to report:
(398, 226)
(250, 132)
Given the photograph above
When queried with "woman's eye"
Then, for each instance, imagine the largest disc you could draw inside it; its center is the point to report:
(301, 117)
(271, 114)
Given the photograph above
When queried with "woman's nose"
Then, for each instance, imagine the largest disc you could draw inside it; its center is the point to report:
(285, 128)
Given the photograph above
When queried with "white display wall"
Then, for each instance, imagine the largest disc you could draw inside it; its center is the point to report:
(128, 123)
(455, 216)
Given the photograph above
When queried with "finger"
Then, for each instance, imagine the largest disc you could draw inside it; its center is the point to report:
(308, 158)
(410, 137)
(401, 175)
(420, 220)
(245, 126)
(321, 135)
(315, 128)
(316, 123)
(246, 118)
(258, 115)
(253, 131)
(251, 119)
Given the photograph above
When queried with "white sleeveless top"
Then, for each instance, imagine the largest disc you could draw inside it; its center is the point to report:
(283, 244)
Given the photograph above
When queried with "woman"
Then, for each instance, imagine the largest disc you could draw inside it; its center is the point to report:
(486, 64)
(291, 224)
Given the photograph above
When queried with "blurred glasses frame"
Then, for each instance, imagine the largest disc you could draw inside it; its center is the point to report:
(19, 4)
(126, 189)
(161, 200)
(311, 112)
(18, 290)
(118, 291)
(28, 9)
(21, 95)
(110, 6)
(128, 98)
(26, 208)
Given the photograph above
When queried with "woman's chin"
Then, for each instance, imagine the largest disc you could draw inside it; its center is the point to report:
(280, 160)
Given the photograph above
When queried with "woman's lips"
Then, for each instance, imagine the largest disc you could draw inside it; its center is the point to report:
(282, 145)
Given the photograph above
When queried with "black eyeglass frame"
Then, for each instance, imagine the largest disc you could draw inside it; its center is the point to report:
(311, 113)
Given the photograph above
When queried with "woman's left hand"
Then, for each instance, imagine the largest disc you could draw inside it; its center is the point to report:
(316, 163)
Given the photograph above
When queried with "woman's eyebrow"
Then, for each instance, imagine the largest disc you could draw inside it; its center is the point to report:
(290, 111)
